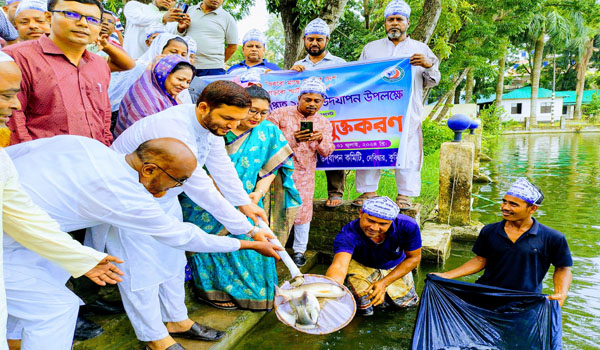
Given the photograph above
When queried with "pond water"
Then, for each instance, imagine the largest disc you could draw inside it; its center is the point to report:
(567, 168)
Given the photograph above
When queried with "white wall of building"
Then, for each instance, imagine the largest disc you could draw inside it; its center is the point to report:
(526, 109)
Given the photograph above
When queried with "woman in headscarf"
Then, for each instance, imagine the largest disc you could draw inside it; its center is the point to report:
(259, 150)
(163, 44)
(156, 90)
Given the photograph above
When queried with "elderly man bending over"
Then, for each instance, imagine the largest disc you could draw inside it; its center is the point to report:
(82, 183)
(376, 253)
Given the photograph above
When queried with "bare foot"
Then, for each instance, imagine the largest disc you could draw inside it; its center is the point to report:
(14, 344)
(224, 303)
(333, 201)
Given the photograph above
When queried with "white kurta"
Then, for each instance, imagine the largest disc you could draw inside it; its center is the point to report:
(81, 183)
(180, 122)
(408, 179)
(139, 17)
(28, 224)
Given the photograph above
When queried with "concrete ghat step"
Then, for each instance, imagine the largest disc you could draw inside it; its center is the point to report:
(436, 242)
(119, 335)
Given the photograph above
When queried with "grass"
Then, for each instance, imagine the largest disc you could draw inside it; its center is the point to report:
(387, 184)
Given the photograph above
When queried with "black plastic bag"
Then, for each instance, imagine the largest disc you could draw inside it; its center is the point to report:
(456, 315)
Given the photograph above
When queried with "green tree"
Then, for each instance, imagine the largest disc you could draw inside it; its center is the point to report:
(555, 22)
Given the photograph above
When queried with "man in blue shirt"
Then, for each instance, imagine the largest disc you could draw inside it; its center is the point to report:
(375, 255)
(516, 252)
(254, 54)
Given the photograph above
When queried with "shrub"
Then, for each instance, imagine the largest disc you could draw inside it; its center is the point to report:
(434, 134)
(491, 120)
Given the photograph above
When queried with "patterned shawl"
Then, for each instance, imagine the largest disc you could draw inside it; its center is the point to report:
(147, 95)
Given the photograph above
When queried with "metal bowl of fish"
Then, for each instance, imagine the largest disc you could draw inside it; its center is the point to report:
(319, 306)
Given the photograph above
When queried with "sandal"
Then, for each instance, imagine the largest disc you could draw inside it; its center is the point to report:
(334, 198)
(214, 304)
(358, 202)
(404, 202)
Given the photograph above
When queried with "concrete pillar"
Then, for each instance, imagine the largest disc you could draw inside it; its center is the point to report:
(475, 138)
(456, 182)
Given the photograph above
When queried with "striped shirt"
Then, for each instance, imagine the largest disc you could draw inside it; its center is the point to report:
(57, 97)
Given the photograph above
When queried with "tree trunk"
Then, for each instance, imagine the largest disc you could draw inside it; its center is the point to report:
(581, 68)
(456, 94)
(469, 86)
(535, 78)
(331, 12)
(428, 21)
(500, 83)
(448, 96)
(367, 9)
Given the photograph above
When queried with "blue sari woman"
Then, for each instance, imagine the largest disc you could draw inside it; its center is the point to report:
(244, 278)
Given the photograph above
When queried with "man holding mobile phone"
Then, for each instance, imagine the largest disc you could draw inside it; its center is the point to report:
(308, 133)
(141, 16)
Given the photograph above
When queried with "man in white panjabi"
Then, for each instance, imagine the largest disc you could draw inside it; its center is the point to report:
(27, 225)
(82, 183)
(220, 108)
(425, 74)
(141, 16)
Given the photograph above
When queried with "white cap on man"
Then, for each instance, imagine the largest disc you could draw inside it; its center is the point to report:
(381, 207)
(317, 26)
(397, 7)
(39, 5)
(313, 85)
(254, 35)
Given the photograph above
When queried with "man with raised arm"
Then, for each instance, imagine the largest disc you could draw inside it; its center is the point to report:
(425, 67)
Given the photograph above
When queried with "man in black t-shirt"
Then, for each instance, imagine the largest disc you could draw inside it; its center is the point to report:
(516, 253)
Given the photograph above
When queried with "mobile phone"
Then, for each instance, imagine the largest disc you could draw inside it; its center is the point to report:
(307, 125)
(183, 6)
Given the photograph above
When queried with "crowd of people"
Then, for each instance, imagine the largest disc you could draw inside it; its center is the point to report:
(112, 130)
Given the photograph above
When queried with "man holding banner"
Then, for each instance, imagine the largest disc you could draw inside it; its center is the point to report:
(316, 38)
(426, 73)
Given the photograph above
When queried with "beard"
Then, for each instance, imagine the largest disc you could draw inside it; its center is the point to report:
(214, 128)
(315, 53)
(4, 137)
(394, 33)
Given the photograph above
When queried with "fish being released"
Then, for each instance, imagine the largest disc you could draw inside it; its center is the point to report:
(304, 303)
(319, 290)
(306, 309)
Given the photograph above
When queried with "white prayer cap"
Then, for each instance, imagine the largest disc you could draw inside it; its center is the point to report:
(525, 190)
(254, 35)
(317, 26)
(192, 45)
(381, 207)
(313, 85)
(40, 5)
(4, 57)
(154, 28)
(8, 2)
(251, 76)
(397, 7)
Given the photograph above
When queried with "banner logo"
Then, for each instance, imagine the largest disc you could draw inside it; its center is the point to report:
(392, 74)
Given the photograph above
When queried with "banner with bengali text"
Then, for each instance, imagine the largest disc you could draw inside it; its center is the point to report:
(367, 105)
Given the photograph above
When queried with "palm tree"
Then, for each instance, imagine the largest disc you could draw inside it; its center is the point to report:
(556, 24)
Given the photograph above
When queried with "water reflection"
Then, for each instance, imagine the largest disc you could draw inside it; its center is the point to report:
(567, 168)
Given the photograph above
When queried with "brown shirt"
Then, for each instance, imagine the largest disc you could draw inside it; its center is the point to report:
(57, 97)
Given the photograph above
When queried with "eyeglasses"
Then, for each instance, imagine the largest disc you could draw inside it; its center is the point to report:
(255, 111)
(75, 16)
(180, 182)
